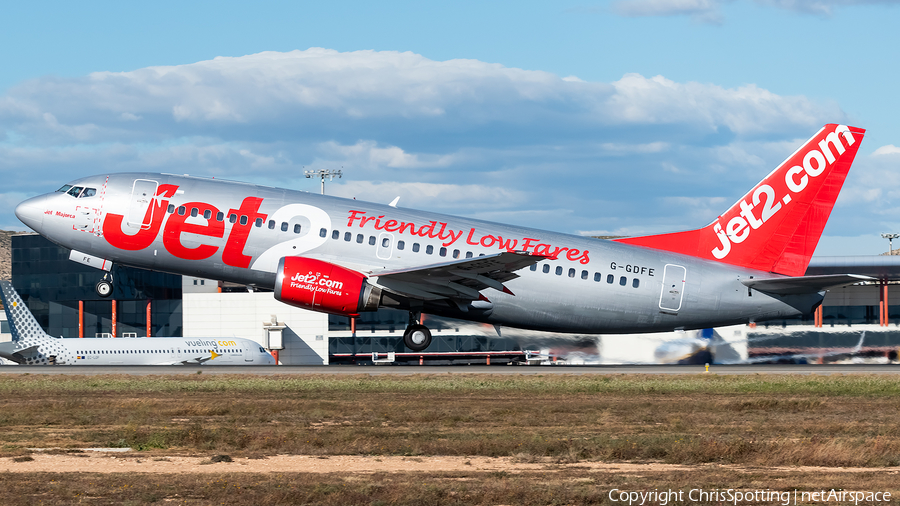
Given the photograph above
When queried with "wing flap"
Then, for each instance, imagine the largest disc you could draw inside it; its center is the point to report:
(462, 279)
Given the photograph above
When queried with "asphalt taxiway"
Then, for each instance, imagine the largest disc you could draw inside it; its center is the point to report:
(743, 369)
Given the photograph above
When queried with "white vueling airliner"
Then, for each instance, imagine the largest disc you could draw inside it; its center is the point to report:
(30, 345)
(344, 256)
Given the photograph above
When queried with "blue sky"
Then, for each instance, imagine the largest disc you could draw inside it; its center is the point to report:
(624, 117)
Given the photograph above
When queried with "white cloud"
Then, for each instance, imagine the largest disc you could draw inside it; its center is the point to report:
(890, 149)
(369, 154)
(428, 195)
(701, 10)
(459, 136)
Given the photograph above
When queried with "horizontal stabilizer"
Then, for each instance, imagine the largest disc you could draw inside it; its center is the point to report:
(803, 284)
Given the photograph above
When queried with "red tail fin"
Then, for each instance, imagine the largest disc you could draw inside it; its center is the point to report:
(775, 227)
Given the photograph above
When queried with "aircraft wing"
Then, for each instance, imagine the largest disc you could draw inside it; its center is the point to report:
(804, 284)
(458, 279)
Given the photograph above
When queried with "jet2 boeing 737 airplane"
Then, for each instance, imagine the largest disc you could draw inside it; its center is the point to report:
(31, 346)
(343, 256)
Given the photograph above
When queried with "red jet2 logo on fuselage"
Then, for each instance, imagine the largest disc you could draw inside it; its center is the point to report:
(232, 252)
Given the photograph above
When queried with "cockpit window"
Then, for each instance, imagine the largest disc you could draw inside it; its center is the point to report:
(64, 188)
(88, 192)
(75, 191)
(261, 350)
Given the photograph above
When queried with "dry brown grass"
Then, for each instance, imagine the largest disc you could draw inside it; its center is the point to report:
(573, 486)
(848, 421)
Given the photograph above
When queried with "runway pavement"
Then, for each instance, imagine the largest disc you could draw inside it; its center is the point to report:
(416, 369)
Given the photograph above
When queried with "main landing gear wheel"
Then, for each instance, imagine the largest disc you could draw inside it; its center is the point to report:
(417, 337)
(104, 287)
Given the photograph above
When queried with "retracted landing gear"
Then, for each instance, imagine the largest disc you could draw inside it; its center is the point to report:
(417, 337)
(104, 287)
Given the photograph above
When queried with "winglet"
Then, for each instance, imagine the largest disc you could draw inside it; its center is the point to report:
(394, 202)
(776, 226)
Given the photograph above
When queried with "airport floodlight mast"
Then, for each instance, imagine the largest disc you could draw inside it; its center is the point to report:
(890, 238)
(323, 173)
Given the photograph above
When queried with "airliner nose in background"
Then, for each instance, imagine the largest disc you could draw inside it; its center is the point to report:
(343, 256)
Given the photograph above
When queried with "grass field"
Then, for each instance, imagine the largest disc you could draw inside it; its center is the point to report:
(755, 422)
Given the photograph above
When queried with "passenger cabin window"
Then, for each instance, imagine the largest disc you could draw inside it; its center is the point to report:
(429, 249)
(371, 240)
(232, 218)
(220, 216)
(284, 226)
(322, 231)
(456, 253)
(335, 235)
(546, 268)
(415, 247)
(181, 210)
(443, 252)
(610, 278)
(207, 214)
(584, 274)
(636, 282)
(259, 222)
(347, 236)
(533, 267)
(468, 254)
(623, 281)
(597, 276)
(571, 273)
(559, 270)
(359, 238)
(400, 244)
(243, 220)
(271, 224)
(385, 242)
(194, 212)
(297, 230)
(171, 208)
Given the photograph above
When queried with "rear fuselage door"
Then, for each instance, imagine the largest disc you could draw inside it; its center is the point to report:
(140, 210)
(672, 294)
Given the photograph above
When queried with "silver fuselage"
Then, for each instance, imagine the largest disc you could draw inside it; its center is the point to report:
(594, 286)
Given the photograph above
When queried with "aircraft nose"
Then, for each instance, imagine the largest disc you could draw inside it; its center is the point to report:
(31, 213)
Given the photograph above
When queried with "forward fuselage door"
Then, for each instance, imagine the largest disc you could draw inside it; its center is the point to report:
(248, 353)
(140, 211)
(674, 277)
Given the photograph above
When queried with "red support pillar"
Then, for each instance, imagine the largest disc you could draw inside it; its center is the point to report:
(149, 322)
(887, 306)
(114, 317)
(275, 356)
(353, 326)
(80, 318)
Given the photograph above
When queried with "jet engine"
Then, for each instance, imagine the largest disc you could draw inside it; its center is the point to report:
(324, 287)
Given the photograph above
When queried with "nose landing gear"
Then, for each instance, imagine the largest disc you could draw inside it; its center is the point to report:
(417, 337)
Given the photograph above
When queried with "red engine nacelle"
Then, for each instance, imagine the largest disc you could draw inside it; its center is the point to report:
(325, 287)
